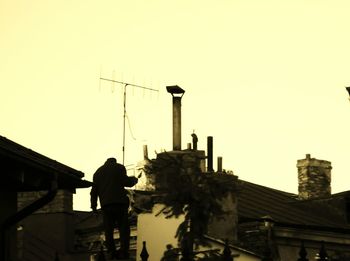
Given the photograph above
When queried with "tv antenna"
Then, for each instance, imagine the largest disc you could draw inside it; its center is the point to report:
(125, 84)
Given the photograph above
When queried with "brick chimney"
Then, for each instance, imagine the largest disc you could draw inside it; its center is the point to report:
(62, 203)
(314, 178)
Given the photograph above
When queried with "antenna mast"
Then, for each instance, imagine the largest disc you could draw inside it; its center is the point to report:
(124, 104)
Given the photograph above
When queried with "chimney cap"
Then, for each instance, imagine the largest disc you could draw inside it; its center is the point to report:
(174, 89)
(348, 89)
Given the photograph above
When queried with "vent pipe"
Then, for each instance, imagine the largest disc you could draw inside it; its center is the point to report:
(210, 153)
(145, 152)
(177, 94)
(219, 164)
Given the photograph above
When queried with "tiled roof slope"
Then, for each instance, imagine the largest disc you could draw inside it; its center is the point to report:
(14, 155)
(12, 149)
(256, 201)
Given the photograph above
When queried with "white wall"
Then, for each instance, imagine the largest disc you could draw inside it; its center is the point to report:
(157, 231)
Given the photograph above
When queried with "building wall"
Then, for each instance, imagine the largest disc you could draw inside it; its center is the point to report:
(289, 243)
(225, 227)
(49, 230)
(62, 203)
(290, 251)
(54, 230)
(8, 201)
(157, 231)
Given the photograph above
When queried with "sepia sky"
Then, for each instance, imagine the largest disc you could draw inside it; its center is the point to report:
(266, 79)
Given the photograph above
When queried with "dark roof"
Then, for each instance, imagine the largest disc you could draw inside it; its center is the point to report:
(232, 246)
(29, 170)
(87, 221)
(256, 202)
(341, 194)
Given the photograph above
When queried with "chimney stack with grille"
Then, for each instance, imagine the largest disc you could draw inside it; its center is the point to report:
(177, 94)
(314, 178)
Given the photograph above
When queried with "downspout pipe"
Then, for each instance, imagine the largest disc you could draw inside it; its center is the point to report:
(26, 211)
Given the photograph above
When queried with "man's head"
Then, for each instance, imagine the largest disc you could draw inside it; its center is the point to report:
(111, 161)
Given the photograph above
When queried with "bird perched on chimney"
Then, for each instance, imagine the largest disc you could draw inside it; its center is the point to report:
(194, 140)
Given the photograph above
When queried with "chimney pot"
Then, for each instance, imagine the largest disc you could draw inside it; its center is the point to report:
(175, 90)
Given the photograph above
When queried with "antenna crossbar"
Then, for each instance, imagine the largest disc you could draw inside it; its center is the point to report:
(124, 116)
(130, 84)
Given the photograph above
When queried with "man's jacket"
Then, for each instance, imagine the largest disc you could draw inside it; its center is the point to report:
(108, 184)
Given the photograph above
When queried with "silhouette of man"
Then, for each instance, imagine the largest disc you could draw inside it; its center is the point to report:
(170, 254)
(108, 185)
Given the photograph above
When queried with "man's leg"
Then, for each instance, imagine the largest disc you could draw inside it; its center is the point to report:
(109, 224)
(124, 229)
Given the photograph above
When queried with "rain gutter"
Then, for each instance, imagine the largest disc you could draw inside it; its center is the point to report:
(23, 213)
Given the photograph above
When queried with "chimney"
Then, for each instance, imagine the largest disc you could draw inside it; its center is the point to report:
(219, 164)
(145, 152)
(210, 153)
(177, 94)
(314, 178)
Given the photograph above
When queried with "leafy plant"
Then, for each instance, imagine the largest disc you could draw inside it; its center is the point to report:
(187, 191)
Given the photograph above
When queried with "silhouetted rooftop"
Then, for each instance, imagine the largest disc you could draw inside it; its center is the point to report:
(256, 202)
(29, 170)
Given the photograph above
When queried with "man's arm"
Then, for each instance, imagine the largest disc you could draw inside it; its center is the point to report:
(93, 195)
(128, 181)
